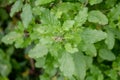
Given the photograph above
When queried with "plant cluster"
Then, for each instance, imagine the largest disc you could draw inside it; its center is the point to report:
(68, 39)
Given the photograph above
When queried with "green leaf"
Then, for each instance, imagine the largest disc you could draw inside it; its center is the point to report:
(11, 37)
(5, 68)
(110, 40)
(110, 3)
(114, 13)
(3, 78)
(14, 37)
(40, 62)
(82, 1)
(91, 50)
(26, 15)
(93, 36)
(90, 78)
(100, 77)
(95, 70)
(80, 65)
(96, 73)
(67, 66)
(96, 16)
(38, 51)
(88, 60)
(47, 18)
(116, 33)
(70, 49)
(16, 7)
(92, 2)
(106, 54)
(41, 2)
(66, 6)
(19, 42)
(68, 24)
(112, 74)
(3, 14)
(44, 77)
(81, 18)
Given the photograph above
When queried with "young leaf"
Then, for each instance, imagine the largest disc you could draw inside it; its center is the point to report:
(67, 6)
(93, 36)
(81, 18)
(38, 51)
(68, 24)
(96, 16)
(106, 54)
(92, 2)
(70, 49)
(80, 65)
(67, 65)
(16, 7)
(47, 18)
(26, 15)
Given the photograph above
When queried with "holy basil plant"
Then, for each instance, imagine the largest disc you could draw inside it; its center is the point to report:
(68, 39)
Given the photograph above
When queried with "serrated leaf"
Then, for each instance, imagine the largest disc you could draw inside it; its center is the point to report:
(96, 16)
(26, 15)
(81, 18)
(80, 65)
(41, 2)
(16, 7)
(19, 42)
(106, 54)
(110, 40)
(70, 49)
(89, 49)
(67, 66)
(93, 36)
(38, 51)
(68, 24)
(47, 18)
(11, 37)
(67, 6)
(92, 2)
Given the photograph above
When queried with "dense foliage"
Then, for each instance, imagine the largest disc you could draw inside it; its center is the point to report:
(59, 39)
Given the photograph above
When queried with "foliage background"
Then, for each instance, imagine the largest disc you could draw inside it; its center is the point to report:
(59, 39)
